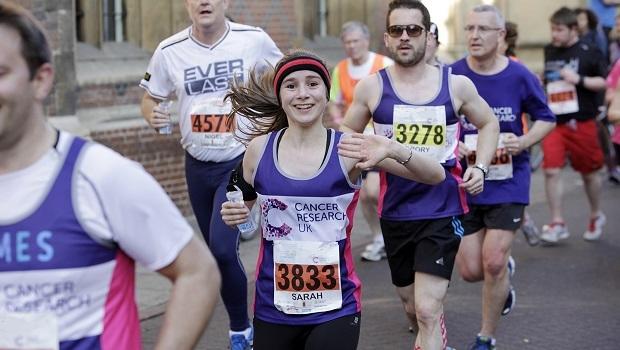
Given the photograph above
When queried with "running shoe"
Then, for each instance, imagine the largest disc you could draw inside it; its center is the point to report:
(511, 298)
(554, 232)
(530, 231)
(375, 251)
(595, 229)
(242, 340)
(483, 343)
(614, 177)
(512, 266)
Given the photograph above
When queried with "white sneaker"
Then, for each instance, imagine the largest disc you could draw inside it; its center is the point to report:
(595, 229)
(554, 232)
(530, 231)
(375, 251)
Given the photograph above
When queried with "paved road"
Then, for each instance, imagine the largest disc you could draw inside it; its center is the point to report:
(568, 296)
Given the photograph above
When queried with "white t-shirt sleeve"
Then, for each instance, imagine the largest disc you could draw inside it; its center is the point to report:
(156, 80)
(270, 53)
(119, 201)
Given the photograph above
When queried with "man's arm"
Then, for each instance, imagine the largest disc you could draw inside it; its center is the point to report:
(613, 113)
(590, 83)
(196, 284)
(516, 144)
(358, 114)
(480, 114)
(152, 113)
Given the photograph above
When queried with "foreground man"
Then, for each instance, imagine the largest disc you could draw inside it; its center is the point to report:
(74, 217)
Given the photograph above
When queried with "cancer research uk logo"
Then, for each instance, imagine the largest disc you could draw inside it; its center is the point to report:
(319, 217)
(270, 230)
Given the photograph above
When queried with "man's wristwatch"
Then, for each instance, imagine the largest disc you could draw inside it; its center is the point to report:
(484, 169)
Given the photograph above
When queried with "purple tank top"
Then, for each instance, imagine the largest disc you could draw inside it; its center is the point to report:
(305, 273)
(431, 128)
(50, 264)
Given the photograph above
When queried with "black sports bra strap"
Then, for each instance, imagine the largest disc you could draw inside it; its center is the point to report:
(327, 142)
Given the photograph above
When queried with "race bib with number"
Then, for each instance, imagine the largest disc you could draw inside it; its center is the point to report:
(208, 121)
(422, 128)
(306, 276)
(501, 165)
(28, 331)
(562, 97)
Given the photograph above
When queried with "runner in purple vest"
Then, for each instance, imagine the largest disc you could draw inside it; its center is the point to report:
(417, 105)
(305, 177)
(74, 218)
(495, 214)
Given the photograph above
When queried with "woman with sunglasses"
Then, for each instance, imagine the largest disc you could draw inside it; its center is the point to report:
(305, 177)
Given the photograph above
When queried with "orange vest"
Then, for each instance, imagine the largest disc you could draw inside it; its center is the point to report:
(347, 83)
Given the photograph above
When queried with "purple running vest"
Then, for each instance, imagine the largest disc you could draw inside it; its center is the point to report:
(402, 199)
(49, 263)
(320, 209)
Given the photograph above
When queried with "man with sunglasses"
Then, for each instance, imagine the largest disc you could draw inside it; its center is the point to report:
(496, 213)
(412, 102)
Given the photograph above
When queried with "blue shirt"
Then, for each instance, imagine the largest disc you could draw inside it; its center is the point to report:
(510, 93)
(606, 13)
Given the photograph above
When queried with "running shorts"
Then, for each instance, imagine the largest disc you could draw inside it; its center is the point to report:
(508, 216)
(578, 141)
(428, 246)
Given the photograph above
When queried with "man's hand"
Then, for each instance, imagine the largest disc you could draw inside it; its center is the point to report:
(155, 116)
(570, 76)
(513, 144)
(464, 151)
(473, 181)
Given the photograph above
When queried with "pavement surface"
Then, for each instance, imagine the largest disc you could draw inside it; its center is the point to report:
(568, 296)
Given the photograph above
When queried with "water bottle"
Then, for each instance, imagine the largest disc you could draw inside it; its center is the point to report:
(165, 107)
(235, 195)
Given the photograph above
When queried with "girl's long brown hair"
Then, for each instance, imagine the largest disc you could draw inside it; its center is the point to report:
(256, 100)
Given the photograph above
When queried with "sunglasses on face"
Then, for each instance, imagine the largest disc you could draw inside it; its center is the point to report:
(413, 30)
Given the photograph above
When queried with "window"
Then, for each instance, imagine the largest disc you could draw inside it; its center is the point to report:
(99, 21)
(113, 20)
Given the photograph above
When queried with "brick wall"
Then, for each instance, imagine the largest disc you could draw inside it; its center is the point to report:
(57, 18)
(276, 17)
(104, 95)
(161, 156)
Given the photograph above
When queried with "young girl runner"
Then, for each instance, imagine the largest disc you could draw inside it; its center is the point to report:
(306, 176)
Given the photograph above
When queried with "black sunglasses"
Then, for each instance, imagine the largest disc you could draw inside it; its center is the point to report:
(413, 30)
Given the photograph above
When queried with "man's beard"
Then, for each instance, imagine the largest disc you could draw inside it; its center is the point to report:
(418, 55)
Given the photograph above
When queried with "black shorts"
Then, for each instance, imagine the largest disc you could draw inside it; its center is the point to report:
(507, 217)
(341, 333)
(428, 246)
